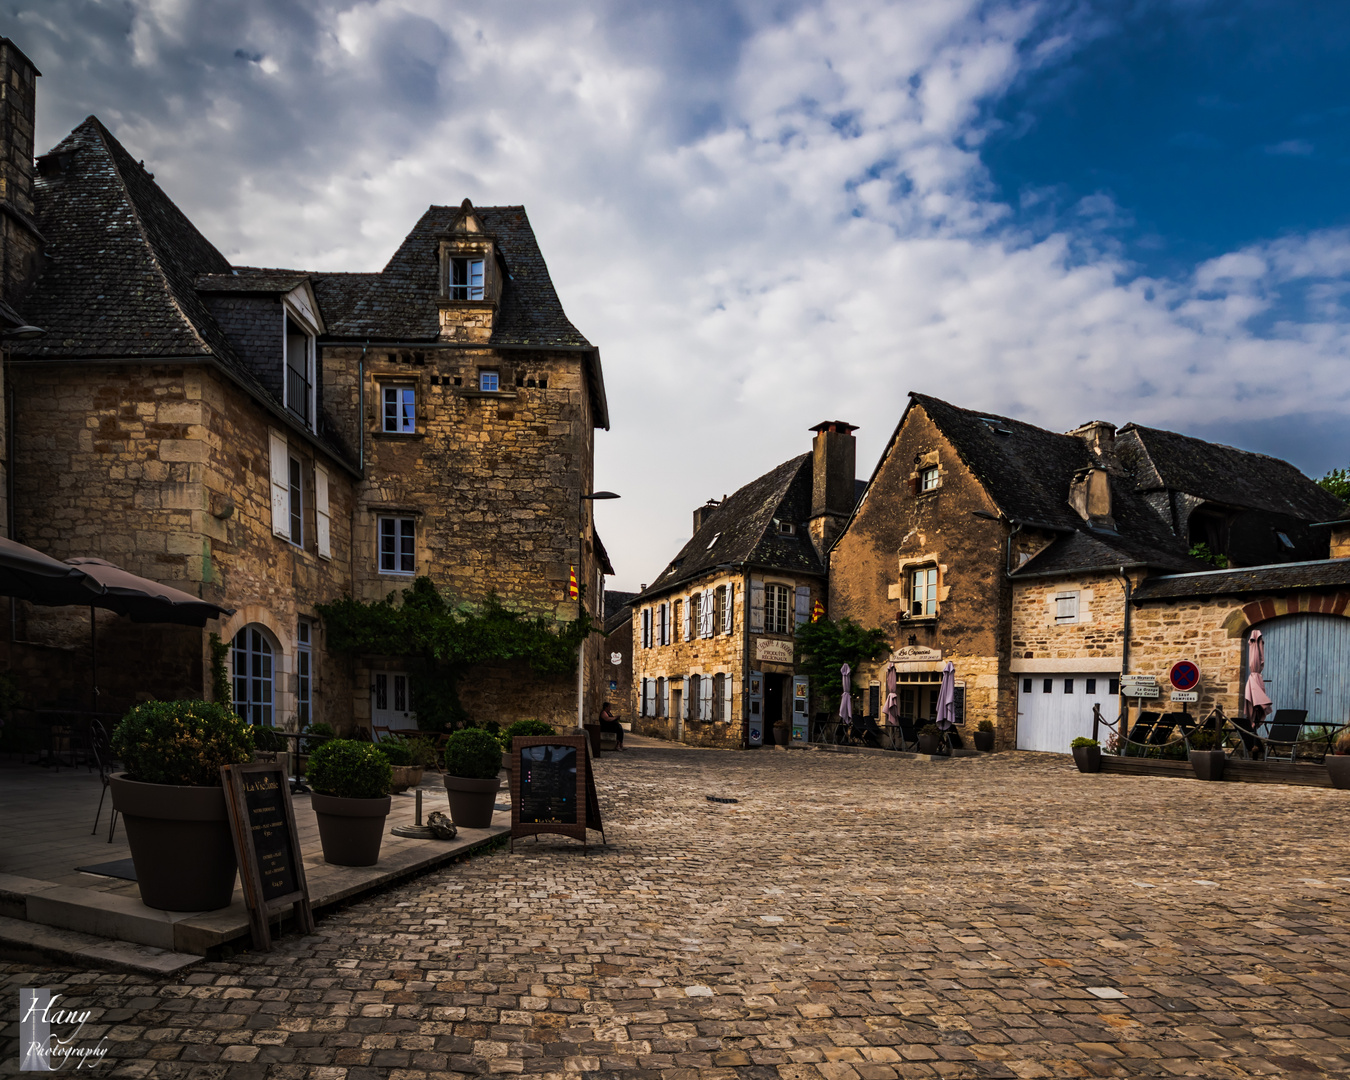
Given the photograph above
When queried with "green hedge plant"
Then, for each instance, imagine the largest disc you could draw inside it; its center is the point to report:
(181, 742)
(1081, 742)
(347, 769)
(473, 754)
(524, 728)
(930, 729)
(1205, 739)
(320, 731)
(396, 751)
(985, 725)
(270, 740)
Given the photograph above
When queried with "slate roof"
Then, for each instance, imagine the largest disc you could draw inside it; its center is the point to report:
(401, 302)
(744, 527)
(1222, 474)
(1097, 549)
(247, 279)
(1281, 577)
(618, 609)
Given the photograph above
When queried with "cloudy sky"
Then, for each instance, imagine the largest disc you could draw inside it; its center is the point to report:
(772, 212)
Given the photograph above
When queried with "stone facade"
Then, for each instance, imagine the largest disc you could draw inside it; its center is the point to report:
(1092, 640)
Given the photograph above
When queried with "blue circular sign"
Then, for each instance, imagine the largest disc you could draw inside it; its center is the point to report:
(1185, 675)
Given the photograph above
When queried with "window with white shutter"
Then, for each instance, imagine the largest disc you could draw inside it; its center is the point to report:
(642, 707)
(665, 623)
(661, 697)
(727, 605)
(705, 699)
(688, 609)
(709, 611)
(684, 698)
(281, 484)
(646, 628)
(802, 613)
(726, 698)
(323, 523)
(757, 607)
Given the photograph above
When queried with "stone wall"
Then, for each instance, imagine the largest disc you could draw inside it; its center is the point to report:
(1096, 634)
(621, 695)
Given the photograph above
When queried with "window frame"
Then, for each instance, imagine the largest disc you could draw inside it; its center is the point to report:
(403, 413)
(925, 606)
(309, 374)
(778, 617)
(495, 374)
(471, 292)
(295, 496)
(398, 521)
(257, 646)
(927, 473)
(304, 673)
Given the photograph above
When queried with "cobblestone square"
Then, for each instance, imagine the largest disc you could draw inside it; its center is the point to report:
(849, 918)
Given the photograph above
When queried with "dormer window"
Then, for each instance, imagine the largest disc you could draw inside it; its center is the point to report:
(466, 279)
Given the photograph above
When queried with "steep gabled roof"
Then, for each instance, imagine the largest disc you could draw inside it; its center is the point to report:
(1098, 549)
(122, 260)
(742, 530)
(1221, 474)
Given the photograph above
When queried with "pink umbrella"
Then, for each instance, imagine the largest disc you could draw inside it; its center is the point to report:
(1258, 701)
(946, 702)
(846, 701)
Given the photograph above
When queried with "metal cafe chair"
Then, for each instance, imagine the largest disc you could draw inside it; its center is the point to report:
(103, 757)
(1286, 726)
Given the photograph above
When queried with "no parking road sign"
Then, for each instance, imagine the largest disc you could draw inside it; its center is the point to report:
(1185, 675)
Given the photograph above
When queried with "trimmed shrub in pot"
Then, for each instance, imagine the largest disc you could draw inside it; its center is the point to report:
(172, 802)
(984, 736)
(1087, 754)
(400, 757)
(473, 758)
(1206, 754)
(351, 800)
(525, 729)
(928, 739)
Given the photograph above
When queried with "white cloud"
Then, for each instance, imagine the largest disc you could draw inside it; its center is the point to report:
(765, 216)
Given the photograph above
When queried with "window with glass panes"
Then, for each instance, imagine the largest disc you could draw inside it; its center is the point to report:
(923, 591)
(466, 279)
(251, 656)
(400, 410)
(397, 545)
(777, 608)
(304, 660)
(297, 503)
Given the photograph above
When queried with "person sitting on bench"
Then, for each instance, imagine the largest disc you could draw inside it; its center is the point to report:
(610, 723)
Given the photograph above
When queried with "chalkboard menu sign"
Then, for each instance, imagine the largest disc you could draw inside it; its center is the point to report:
(262, 820)
(552, 787)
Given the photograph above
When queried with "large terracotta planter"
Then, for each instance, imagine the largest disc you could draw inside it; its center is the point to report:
(180, 843)
(406, 776)
(1208, 764)
(1088, 758)
(350, 830)
(471, 801)
(1338, 768)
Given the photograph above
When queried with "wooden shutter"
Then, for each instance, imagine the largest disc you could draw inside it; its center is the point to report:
(710, 605)
(728, 593)
(646, 628)
(323, 524)
(726, 695)
(803, 609)
(281, 484)
(705, 696)
(686, 607)
(757, 607)
(665, 623)
(684, 698)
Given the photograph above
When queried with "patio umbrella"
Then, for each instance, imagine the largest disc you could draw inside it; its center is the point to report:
(1254, 694)
(143, 600)
(892, 707)
(40, 579)
(846, 701)
(946, 702)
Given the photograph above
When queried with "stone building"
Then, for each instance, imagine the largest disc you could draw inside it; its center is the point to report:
(713, 659)
(617, 684)
(1013, 551)
(273, 439)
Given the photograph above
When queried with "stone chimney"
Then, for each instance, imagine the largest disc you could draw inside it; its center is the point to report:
(1099, 435)
(1090, 497)
(703, 512)
(833, 467)
(20, 243)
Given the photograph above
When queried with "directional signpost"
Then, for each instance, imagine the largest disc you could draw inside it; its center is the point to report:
(1139, 686)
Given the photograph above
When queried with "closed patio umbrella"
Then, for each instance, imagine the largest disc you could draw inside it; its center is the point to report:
(946, 702)
(892, 707)
(1254, 693)
(846, 700)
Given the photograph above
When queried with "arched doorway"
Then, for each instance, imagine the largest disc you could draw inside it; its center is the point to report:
(1308, 665)
(253, 658)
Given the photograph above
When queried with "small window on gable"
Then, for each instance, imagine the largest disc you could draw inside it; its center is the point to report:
(1284, 539)
(400, 410)
(929, 478)
(786, 528)
(299, 388)
(488, 381)
(1066, 607)
(466, 278)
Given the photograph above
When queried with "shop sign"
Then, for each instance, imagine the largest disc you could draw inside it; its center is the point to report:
(773, 651)
(910, 653)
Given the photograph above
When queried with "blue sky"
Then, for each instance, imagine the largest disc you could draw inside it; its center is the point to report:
(771, 212)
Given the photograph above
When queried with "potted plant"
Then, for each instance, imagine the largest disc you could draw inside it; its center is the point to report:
(172, 802)
(1338, 761)
(525, 729)
(984, 736)
(351, 782)
(928, 739)
(269, 744)
(473, 758)
(1206, 754)
(1087, 754)
(400, 757)
(316, 735)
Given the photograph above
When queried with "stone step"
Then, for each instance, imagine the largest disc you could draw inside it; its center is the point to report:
(22, 941)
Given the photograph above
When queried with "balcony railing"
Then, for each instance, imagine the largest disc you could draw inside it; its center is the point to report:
(297, 393)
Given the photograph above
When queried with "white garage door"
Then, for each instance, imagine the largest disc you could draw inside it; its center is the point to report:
(1053, 710)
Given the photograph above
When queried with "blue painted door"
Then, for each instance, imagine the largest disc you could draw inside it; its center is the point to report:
(1308, 665)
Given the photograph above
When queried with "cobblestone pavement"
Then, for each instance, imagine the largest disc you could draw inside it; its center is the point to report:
(850, 917)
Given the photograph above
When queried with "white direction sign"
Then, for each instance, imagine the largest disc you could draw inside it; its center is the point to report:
(1140, 686)
(1185, 695)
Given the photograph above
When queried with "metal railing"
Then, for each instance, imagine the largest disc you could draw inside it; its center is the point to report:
(297, 393)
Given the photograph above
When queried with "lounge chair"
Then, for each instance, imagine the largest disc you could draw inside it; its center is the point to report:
(1140, 733)
(1285, 729)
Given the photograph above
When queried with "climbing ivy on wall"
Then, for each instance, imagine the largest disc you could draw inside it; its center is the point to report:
(442, 641)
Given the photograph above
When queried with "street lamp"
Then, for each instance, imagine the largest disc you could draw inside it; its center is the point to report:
(581, 576)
